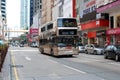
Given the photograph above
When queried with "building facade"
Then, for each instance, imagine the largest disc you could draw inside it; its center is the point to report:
(46, 15)
(57, 9)
(64, 8)
(112, 8)
(3, 20)
(78, 11)
(93, 25)
(25, 14)
(31, 11)
(37, 13)
(35, 19)
(3, 8)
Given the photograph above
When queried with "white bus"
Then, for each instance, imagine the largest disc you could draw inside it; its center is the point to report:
(59, 37)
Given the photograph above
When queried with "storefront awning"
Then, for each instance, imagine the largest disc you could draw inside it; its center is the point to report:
(94, 24)
(109, 8)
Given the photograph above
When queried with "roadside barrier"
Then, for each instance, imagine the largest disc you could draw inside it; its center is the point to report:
(3, 52)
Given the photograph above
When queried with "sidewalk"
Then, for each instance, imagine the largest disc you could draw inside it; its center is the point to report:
(5, 73)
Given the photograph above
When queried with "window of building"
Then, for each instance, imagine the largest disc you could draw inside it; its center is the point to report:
(2, 7)
(3, 4)
(3, 0)
(3, 11)
(4, 15)
(40, 6)
(118, 21)
(40, 1)
(111, 22)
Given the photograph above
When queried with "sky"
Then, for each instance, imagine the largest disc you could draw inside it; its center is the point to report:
(13, 15)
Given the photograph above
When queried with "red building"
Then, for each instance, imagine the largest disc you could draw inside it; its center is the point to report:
(113, 9)
(93, 24)
(32, 34)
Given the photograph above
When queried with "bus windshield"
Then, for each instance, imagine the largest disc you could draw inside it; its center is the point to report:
(67, 22)
(63, 40)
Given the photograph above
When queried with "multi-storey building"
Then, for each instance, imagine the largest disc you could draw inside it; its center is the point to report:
(31, 12)
(64, 8)
(3, 18)
(47, 6)
(25, 14)
(78, 11)
(57, 9)
(112, 8)
(36, 18)
(93, 25)
(37, 6)
(37, 13)
(1, 27)
(69, 8)
(3, 8)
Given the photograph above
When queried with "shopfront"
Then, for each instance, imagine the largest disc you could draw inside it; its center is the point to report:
(113, 35)
(101, 35)
(95, 31)
(112, 7)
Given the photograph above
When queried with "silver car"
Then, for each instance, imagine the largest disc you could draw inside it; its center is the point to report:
(80, 47)
(91, 48)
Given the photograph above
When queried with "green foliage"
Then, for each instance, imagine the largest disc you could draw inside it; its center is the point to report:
(4, 47)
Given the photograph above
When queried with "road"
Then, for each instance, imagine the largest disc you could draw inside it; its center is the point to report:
(28, 64)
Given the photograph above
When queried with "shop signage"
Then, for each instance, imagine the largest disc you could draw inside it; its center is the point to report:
(91, 34)
(103, 2)
(95, 24)
(113, 31)
(100, 33)
(87, 6)
(108, 6)
(34, 31)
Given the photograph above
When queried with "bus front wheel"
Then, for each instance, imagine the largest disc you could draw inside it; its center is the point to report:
(52, 52)
(42, 51)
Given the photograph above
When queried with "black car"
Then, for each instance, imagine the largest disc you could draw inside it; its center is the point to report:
(112, 51)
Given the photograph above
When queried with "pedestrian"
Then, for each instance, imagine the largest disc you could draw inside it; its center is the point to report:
(106, 44)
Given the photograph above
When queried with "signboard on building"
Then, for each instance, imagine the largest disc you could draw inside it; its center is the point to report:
(100, 3)
(33, 30)
(87, 10)
(87, 6)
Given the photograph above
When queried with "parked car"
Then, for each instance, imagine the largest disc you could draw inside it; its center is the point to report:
(21, 45)
(112, 51)
(34, 44)
(94, 49)
(80, 47)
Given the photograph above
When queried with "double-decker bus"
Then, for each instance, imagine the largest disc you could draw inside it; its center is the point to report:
(59, 37)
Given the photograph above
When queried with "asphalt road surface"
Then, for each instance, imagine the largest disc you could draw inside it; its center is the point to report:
(29, 64)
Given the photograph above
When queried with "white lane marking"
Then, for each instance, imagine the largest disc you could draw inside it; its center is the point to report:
(75, 69)
(68, 67)
(52, 61)
(85, 60)
(27, 58)
(54, 76)
(103, 79)
(115, 64)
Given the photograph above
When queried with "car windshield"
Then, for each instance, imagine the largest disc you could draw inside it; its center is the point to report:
(79, 44)
(118, 47)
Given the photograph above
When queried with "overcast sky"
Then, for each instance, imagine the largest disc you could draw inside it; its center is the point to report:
(13, 13)
(13, 16)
